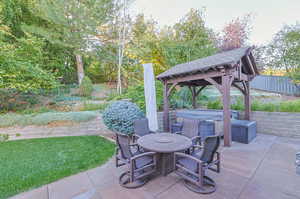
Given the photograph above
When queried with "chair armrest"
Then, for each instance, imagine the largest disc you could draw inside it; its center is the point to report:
(117, 150)
(142, 155)
(198, 146)
(134, 144)
(178, 132)
(184, 155)
(197, 138)
(135, 136)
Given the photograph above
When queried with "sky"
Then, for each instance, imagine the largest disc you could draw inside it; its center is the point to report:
(268, 15)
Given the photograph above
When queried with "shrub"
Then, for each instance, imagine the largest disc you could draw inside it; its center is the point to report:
(290, 106)
(256, 105)
(136, 94)
(217, 104)
(3, 137)
(182, 98)
(12, 100)
(238, 105)
(119, 116)
(86, 87)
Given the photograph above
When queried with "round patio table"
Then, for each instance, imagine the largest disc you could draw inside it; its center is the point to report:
(165, 144)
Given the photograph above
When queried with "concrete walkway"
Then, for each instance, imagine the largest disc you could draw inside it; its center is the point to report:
(263, 169)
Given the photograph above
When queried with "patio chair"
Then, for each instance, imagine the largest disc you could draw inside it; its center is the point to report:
(192, 167)
(190, 129)
(140, 164)
(141, 128)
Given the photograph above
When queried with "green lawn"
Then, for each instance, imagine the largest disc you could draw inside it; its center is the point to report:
(27, 164)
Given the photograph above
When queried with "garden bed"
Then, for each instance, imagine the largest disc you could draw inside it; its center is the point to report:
(13, 119)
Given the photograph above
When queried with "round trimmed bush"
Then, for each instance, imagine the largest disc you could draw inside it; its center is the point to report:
(119, 116)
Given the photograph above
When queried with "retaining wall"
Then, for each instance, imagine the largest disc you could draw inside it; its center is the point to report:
(275, 123)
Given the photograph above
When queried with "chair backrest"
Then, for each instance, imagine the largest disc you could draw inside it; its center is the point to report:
(141, 127)
(190, 127)
(210, 147)
(123, 142)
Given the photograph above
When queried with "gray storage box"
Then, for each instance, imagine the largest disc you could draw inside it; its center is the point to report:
(243, 131)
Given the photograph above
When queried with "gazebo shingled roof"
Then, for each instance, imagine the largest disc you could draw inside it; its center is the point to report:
(234, 67)
(221, 59)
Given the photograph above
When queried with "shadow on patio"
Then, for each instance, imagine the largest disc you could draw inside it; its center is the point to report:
(263, 169)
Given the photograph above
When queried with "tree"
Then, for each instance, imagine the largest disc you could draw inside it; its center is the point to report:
(17, 72)
(283, 52)
(123, 16)
(75, 24)
(236, 33)
(189, 39)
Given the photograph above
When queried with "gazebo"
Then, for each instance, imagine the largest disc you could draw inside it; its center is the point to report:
(230, 68)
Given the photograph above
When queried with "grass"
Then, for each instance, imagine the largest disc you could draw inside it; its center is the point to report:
(94, 107)
(28, 164)
(13, 119)
(287, 106)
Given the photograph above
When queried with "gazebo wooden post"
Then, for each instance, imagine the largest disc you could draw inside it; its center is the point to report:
(247, 101)
(166, 122)
(226, 81)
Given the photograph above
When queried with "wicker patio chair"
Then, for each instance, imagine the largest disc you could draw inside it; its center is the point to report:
(190, 129)
(140, 164)
(141, 128)
(192, 167)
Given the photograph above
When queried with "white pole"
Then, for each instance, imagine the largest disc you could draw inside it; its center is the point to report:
(150, 96)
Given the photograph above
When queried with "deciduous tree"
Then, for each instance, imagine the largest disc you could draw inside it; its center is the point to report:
(74, 23)
(236, 33)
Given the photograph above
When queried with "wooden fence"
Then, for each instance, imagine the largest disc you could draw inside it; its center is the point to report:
(276, 84)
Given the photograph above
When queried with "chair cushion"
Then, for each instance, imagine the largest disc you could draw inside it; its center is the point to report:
(197, 153)
(188, 163)
(143, 161)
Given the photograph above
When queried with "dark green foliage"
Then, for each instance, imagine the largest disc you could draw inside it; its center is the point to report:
(12, 100)
(31, 53)
(86, 87)
(119, 116)
(136, 94)
(182, 98)
(33, 163)
(238, 105)
(217, 104)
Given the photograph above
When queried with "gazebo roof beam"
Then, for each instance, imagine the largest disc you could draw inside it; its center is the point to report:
(195, 77)
(249, 62)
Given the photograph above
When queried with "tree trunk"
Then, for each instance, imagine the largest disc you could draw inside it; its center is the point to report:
(80, 70)
(119, 81)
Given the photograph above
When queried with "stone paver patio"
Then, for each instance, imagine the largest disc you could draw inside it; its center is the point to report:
(263, 169)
